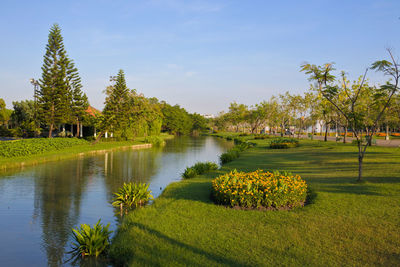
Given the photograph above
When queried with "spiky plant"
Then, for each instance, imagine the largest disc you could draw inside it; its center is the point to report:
(132, 195)
(91, 241)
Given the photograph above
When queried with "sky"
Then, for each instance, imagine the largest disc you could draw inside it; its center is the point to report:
(202, 55)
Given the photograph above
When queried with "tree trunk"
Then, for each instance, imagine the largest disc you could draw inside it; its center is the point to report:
(50, 130)
(360, 162)
(298, 135)
(326, 132)
(345, 134)
(387, 133)
(77, 128)
(336, 130)
(98, 138)
(81, 130)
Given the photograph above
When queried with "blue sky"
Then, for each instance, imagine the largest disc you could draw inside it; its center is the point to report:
(201, 55)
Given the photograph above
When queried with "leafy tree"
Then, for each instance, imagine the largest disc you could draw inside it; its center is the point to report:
(257, 115)
(237, 114)
(176, 119)
(23, 118)
(199, 123)
(352, 107)
(4, 113)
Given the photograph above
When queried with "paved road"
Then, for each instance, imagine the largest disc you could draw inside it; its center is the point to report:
(379, 142)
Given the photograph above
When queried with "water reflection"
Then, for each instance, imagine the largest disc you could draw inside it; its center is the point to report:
(40, 205)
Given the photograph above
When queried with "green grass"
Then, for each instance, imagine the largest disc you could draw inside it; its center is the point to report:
(346, 223)
(8, 163)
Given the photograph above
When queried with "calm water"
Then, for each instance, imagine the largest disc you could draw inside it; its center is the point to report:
(40, 205)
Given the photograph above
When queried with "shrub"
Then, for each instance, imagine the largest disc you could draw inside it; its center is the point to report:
(229, 156)
(26, 147)
(203, 167)
(132, 195)
(283, 142)
(90, 241)
(199, 168)
(259, 189)
(189, 172)
(261, 136)
(154, 140)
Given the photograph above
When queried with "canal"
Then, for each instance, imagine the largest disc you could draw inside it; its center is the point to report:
(41, 204)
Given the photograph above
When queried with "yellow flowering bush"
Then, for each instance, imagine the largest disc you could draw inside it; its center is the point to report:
(260, 189)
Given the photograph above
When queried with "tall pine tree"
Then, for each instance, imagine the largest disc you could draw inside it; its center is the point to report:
(116, 110)
(79, 101)
(60, 99)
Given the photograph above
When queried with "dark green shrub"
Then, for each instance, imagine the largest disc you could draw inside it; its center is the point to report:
(283, 142)
(203, 167)
(229, 156)
(261, 136)
(189, 172)
(199, 168)
(260, 189)
(91, 241)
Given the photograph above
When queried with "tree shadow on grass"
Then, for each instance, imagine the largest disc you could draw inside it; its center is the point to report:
(165, 254)
(195, 190)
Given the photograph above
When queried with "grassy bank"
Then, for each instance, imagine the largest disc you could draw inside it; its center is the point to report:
(347, 223)
(60, 152)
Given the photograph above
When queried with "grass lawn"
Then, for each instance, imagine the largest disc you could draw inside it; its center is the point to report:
(69, 152)
(347, 223)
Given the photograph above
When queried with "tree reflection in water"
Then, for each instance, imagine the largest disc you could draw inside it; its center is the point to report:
(59, 196)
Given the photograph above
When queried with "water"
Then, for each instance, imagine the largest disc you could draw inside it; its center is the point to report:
(40, 205)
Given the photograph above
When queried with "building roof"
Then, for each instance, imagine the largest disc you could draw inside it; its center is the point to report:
(93, 111)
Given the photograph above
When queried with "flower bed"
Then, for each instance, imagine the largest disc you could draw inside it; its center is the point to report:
(259, 189)
(283, 142)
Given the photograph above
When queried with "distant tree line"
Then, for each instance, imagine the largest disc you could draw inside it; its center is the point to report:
(60, 101)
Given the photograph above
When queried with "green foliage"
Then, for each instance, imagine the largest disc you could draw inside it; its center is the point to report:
(199, 168)
(154, 140)
(234, 152)
(199, 123)
(189, 172)
(54, 97)
(25, 147)
(259, 189)
(116, 107)
(23, 119)
(176, 120)
(261, 136)
(91, 241)
(203, 167)
(132, 195)
(283, 142)
(4, 113)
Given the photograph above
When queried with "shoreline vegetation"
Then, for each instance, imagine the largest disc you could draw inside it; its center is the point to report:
(85, 149)
(344, 223)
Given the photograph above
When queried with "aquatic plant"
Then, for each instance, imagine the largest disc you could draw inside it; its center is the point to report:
(91, 241)
(132, 195)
